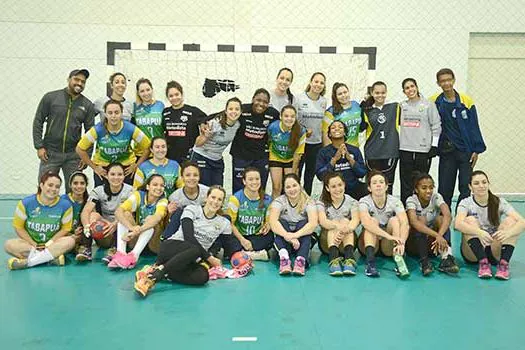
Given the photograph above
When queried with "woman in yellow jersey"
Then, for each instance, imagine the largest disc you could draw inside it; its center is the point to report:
(42, 222)
(287, 139)
(140, 220)
(113, 144)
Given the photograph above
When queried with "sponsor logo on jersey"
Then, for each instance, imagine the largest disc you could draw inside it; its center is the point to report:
(266, 123)
(184, 118)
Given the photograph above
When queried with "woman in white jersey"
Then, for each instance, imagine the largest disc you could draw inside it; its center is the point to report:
(281, 95)
(338, 217)
(429, 218)
(215, 136)
(385, 225)
(118, 84)
(101, 205)
(311, 106)
(182, 256)
(490, 228)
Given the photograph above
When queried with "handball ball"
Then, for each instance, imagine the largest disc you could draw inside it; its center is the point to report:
(98, 228)
(240, 259)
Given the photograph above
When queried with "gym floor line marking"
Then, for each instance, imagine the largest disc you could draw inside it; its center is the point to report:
(239, 339)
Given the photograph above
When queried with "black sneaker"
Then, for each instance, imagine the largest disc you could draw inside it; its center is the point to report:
(371, 270)
(448, 265)
(83, 254)
(426, 267)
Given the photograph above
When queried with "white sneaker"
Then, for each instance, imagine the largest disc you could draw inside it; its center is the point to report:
(261, 255)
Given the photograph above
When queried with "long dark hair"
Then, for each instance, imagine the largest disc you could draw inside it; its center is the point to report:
(144, 186)
(107, 187)
(84, 176)
(173, 85)
(223, 117)
(288, 92)
(406, 80)
(493, 203)
(261, 189)
(295, 132)
(335, 102)
(369, 102)
(326, 198)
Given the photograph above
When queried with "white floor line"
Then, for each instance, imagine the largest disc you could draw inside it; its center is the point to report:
(241, 339)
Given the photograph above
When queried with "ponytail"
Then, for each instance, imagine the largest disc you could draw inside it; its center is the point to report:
(493, 209)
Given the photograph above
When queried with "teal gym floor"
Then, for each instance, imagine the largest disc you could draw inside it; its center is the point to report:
(89, 307)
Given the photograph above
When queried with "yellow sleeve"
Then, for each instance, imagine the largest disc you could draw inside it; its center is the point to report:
(466, 100)
(300, 147)
(161, 209)
(67, 220)
(19, 219)
(327, 120)
(131, 204)
(88, 139)
(179, 183)
(138, 180)
(233, 208)
(142, 142)
(434, 97)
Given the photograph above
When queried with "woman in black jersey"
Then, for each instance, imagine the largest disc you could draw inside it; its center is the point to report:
(381, 122)
(181, 123)
(250, 145)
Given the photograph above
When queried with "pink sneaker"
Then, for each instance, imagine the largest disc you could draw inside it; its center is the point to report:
(484, 270)
(217, 272)
(118, 260)
(285, 267)
(503, 272)
(130, 261)
(299, 266)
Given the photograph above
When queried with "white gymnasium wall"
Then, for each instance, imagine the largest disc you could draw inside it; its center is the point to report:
(41, 42)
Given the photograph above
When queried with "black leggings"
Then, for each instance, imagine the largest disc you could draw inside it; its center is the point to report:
(309, 160)
(180, 262)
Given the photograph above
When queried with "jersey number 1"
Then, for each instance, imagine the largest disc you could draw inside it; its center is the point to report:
(382, 134)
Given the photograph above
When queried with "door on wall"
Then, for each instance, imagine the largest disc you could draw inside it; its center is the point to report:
(496, 82)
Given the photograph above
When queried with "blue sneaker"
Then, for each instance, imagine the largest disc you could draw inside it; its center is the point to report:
(349, 267)
(371, 270)
(335, 267)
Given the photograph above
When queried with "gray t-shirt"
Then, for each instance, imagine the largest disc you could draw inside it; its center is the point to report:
(420, 126)
(206, 229)
(392, 207)
(99, 108)
(289, 213)
(471, 208)
(277, 101)
(108, 206)
(310, 114)
(182, 200)
(344, 211)
(431, 211)
(217, 143)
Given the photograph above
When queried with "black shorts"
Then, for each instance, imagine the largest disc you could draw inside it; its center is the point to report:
(276, 164)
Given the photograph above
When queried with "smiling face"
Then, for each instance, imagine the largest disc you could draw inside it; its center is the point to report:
(156, 186)
(317, 84)
(479, 185)
(446, 82)
(78, 185)
(145, 93)
(337, 130)
(288, 117)
(379, 94)
(233, 112)
(260, 103)
(252, 181)
(76, 84)
(50, 189)
(191, 176)
(336, 188)
(118, 85)
(284, 80)
(292, 188)
(343, 95)
(116, 176)
(175, 97)
(410, 89)
(215, 199)
(159, 149)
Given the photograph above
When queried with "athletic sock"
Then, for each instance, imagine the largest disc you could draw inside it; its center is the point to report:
(121, 232)
(142, 241)
(349, 252)
(506, 252)
(283, 254)
(40, 257)
(369, 252)
(422, 245)
(477, 248)
(446, 253)
(333, 253)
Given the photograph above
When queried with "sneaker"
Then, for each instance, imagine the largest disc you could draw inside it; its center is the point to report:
(130, 261)
(16, 264)
(401, 267)
(285, 267)
(334, 267)
(503, 271)
(484, 270)
(144, 272)
(118, 260)
(109, 255)
(349, 267)
(58, 261)
(448, 265)
(144, 285)
(426, 267)
(83, 254)
(371, 270)
(261, 255)
(299, 266)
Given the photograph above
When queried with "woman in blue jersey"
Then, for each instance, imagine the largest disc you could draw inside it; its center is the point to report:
(140, 220)
(338, 217)
(311, 106)
(345, 110)
(43, 223)
(281, 95)
(113, 144)
(100, 206)
(248, 211)
(293, 219)
(287, 140)
(381, 122)
(385, 225)
(184, 257)
(490, 227)
(147, 112)
(214, 137)
(118, 84)
(159, 164)
(429, 217)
